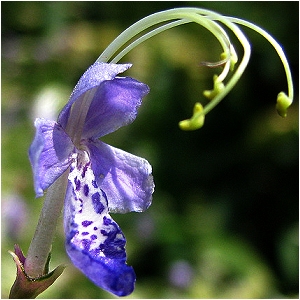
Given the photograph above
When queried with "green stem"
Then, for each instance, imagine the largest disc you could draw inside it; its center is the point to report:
(40, 246)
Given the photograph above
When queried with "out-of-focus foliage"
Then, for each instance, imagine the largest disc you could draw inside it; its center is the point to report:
(224, 218)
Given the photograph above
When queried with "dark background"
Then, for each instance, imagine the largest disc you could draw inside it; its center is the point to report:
(224, 217)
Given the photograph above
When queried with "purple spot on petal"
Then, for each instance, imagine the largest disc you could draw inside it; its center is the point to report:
(86, 244)
(73, 224)
(95, 252)
(93, 237)
(86, 223)
(106, 221)
(85, 233)
(95, 228)
(94, 183)
(98, 206)
(85, 169)
(113, 246)
(86, 190)
(77, 183)
(74, 232)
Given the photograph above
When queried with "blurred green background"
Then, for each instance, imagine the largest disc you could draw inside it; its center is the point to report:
(224, 217)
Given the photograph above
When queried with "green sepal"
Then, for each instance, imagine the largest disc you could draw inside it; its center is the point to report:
(26, 287)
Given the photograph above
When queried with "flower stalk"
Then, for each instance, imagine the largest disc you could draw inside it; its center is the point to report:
(40, 246)
(26, 287)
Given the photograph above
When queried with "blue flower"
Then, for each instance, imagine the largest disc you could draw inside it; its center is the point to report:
(102, 179)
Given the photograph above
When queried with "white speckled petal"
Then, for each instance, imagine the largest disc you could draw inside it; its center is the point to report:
(94, 241)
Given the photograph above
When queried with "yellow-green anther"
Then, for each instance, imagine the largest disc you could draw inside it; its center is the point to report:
(196, 121)
(224, 56)
(218, 88)
(233, 58)
(283, 103)
(198, 108)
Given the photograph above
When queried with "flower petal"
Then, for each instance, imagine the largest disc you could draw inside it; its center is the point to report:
(49, 154)
(125, 178)
(94, 241)
(93, 77)
(114, 105)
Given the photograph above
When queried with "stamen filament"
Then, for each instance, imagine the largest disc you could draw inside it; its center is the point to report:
(207, 19)
(240, 70)
(203, 17)
(154, 19)
(146, 37)
(276, 46)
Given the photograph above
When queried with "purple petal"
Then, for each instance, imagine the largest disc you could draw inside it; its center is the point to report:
(49, 154)
(125, 178)
(114, 105)
(94, 241)
(92, 78)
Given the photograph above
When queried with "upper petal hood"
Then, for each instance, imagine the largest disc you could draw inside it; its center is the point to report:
(114, 105)
(49, 154)
(93, 77)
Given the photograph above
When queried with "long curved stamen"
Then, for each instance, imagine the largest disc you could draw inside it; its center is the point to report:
(185, 15)
(288, 99)
(208, 19)
(181, 13)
